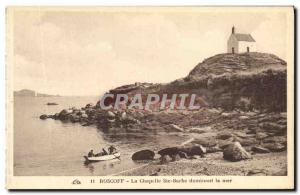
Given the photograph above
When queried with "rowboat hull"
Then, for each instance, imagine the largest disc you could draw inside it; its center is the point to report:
(102, 158)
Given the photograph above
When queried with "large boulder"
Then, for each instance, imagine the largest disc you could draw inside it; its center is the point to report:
(56, 116)
(165, 159)
(123, 116)
(240, 134)
(74, 118)
(43, 116)
(78, 113)
(84, 116)
(90, 112)
(169, 151)
(90, 105)
(182, 154)
(63, 115)
(143, 155)
(235, 152)
(110, 114)
(193, 150)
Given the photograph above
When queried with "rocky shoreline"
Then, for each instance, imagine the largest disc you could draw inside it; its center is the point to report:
(231, 136)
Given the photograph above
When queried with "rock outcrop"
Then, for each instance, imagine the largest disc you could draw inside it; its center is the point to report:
(194, 150)
(43, 116)
(235, 152)
(169, 151)
(143, 155)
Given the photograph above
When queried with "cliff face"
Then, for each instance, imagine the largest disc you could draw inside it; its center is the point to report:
(245, 81)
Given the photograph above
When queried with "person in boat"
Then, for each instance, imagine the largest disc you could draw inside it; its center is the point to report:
(104, 152)
(91, 153)
(112, 150)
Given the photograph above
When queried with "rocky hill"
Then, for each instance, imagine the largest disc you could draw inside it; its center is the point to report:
(235, 63)
(245, 81)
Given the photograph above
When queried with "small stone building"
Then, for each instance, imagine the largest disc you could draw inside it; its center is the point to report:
(240, 43)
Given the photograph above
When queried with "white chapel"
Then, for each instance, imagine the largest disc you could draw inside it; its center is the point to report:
(240, 43)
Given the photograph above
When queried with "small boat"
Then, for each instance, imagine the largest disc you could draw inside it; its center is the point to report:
(52, 104)
(102, 158)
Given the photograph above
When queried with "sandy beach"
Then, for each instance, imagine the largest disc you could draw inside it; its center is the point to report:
(214, 165)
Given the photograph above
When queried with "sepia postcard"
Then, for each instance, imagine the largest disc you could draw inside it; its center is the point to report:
(150, 98)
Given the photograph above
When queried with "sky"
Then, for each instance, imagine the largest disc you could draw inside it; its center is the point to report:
(92, 50)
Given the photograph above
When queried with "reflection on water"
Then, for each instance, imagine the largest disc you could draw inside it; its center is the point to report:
(90, 167)
(105, 165)
(50, 147)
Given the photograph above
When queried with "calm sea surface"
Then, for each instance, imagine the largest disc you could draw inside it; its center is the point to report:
(50, 147)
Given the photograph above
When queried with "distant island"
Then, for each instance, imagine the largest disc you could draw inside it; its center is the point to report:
(31, 93)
